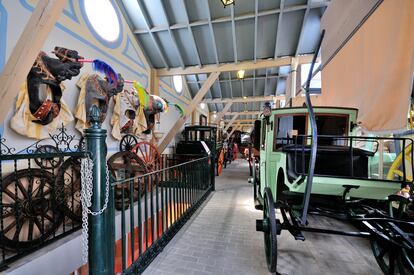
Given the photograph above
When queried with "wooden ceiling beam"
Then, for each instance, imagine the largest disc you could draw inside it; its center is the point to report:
(221, 114)
(243, 100)
(188, 110)
(24, 53)
(231, 67)
(250, 15)
(243, 113)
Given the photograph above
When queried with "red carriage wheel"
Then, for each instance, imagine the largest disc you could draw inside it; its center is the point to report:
(127, 165)
(149, 154)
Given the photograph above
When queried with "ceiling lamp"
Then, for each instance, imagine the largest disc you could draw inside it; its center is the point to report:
(240, 74)
(244, 97)
(202, 105)
(228, 2)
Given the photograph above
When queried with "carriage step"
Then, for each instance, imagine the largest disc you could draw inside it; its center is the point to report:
(258, 205)
(299, 237)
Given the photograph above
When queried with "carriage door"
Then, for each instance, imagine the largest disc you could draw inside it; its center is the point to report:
(263, 156)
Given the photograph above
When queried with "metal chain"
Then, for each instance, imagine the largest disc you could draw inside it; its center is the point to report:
(86, 200)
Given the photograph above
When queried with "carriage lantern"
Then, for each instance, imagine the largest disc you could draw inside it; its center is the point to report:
(267, 111)
(228, 2)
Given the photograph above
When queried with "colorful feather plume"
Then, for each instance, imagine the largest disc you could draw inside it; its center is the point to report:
(144, 97)
(178, 107)
(102, 67)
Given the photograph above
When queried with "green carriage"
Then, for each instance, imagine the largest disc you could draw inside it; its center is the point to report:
(351, 180)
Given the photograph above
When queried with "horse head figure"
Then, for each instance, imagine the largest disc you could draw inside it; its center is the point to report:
(156, 105)
(43, 83)
(99, 91)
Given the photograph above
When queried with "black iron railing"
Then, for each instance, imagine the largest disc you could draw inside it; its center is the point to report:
(40, 194)
(351, 156)
(154, 207)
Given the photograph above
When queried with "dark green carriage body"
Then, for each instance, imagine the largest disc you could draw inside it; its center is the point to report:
(193, 135)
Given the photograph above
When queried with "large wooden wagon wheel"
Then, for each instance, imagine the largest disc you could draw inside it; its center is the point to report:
(68, 188)
(48, 162)
(149, 154)
(220, 163)
(127, 143)
(30, 214)
(396, 168)
(124, 165)
(269, 228)
(391, 258)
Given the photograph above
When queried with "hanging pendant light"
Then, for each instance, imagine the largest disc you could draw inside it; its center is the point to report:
(228, 2)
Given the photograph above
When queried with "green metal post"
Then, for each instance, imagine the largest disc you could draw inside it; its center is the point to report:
(101, 242)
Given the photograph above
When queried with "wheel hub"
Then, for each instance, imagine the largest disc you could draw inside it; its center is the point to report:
(262, 225)
(35, 207)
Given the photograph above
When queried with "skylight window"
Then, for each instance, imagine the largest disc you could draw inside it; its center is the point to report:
(178, 83)
(316, 82)
(103, 19)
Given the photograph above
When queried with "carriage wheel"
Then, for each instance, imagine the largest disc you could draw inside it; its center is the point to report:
(68, 188)
(124, 165)
(391, 258)
(30, 215)
(220, 163)
(406, 262)
(269, 228)
(149, 154)
(396, 167)
(127, 143)
(48, 162)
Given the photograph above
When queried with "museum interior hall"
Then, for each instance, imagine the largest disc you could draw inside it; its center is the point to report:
(195, 137)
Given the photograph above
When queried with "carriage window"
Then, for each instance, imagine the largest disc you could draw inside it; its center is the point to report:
(332, 125)
(286, 127)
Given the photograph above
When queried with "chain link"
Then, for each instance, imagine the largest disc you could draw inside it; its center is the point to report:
(86, 200)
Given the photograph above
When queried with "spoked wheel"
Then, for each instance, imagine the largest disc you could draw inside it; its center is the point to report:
(149, 154)
(386, 256)
(220, 163)
(406, 262)
(269, 228)
(127, 143)
(68, 188)
(393, 259)
(124, 165)
(30, 215)
(47, 162)
(396, 169)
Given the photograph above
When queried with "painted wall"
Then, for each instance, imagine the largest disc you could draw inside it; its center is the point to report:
(73, 31)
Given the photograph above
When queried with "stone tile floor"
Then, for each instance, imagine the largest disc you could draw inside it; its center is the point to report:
(221, 239)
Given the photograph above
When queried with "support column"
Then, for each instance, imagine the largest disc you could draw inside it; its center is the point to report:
(154, 82)
(293, 84)
(190, 108)
(24, 54)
